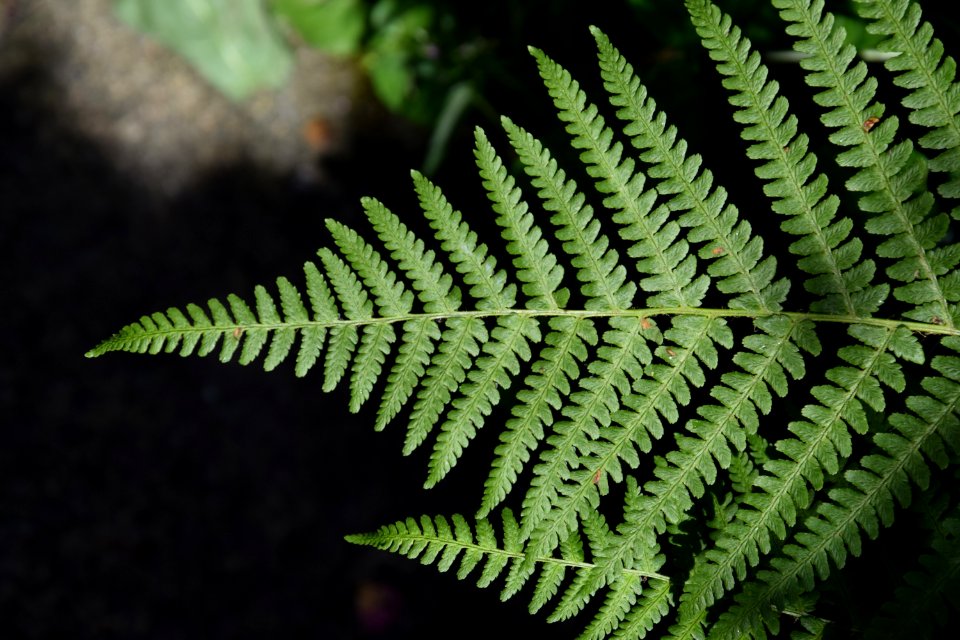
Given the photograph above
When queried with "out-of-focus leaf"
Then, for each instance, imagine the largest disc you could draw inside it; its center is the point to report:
(400, 37)
(335, 26)
(233, 43)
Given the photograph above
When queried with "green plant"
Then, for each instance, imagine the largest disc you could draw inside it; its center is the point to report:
(701, 437)
(241, 46)
(232, 43)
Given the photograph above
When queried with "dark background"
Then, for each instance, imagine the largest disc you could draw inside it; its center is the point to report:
(159, 497)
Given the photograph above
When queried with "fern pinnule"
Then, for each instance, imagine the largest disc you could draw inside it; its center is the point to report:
(497, 365)
(391, 296)
(620, 361)
(558, 363)
(621, 598)
(435, 288)
(325, 312)
(604, 279)
(488, 285)
(653, 604)
(921, 67)
(636, 424)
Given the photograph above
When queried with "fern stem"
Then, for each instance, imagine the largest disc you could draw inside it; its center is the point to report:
(137, 338)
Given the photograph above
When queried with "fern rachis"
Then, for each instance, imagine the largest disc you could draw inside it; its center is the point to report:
(752, 444)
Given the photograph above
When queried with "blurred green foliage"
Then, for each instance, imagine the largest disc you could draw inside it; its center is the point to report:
(428, 60)
(234, 43)
(334, 26)
(242, 46)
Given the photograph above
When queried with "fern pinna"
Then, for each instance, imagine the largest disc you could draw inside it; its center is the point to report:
(642, 331)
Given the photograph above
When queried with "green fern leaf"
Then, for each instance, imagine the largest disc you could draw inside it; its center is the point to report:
(604, 280)
(668, 261)
(535, 265)
(919, 61)
(760, 413)
(842, 279)
(735, 252)
(889, 173)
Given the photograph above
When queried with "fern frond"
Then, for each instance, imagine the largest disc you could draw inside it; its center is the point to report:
(890, 174)
(818, 447)
(432, 540)
(645, 335)
(604, 279)
(922, 68)
(738, 265)
(864, 505)
(666, 261)
(841, 279)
